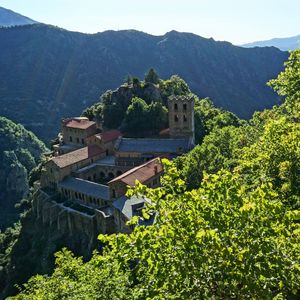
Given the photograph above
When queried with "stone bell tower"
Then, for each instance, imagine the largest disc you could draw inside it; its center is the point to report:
(181, 117)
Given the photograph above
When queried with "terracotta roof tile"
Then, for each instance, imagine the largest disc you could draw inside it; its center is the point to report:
(165, 132)
(141, 173)
(78, 123)
(109, 135)
(76, 156)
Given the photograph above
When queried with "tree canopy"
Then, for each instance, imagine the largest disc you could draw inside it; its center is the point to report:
(287, 84)
(152, 76)
(142, 119)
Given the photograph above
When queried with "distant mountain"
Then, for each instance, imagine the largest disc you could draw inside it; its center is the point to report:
(10, 18)
(48, 73)
(283, 44)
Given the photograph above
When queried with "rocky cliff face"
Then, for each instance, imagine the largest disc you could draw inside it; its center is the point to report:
(15, 181)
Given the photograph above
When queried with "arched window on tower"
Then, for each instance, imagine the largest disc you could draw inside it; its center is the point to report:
(184, 118)
(175, 106)
(184, 106)
(176, 118)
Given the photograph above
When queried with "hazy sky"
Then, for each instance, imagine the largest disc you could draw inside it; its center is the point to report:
(237, 21)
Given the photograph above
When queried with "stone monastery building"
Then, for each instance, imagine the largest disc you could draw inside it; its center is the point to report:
(92, 169)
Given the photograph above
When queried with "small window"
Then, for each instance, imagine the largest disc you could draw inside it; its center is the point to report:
(184, 106)
(82, 141)
(71, 140)
(176, 106)
(77, 140)
(184, 118)
(176, 118)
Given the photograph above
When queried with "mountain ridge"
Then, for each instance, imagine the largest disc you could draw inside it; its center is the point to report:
(284, 44)
(59, 73)
(11, 18)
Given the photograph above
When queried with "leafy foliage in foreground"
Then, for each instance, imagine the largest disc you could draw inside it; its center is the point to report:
(219, 241)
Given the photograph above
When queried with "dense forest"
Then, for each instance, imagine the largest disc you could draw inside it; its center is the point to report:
(20, 152)
(59, 73)
(227, 220)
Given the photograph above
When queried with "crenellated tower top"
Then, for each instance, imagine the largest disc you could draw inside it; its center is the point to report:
(181, 117)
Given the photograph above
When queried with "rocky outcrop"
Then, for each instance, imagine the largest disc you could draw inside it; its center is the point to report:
(17, 181)
(149, 92)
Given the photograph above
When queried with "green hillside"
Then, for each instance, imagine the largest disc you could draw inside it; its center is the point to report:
(20, 152)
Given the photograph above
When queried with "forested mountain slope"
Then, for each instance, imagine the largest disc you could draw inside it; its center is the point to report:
(47, 73)
(20, 152)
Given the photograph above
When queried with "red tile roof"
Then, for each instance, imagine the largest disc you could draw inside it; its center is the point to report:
(141, 173)
(165, 132)
(78, 123)
(76, 156)
(109, 135)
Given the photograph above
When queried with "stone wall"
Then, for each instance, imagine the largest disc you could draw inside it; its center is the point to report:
(68, 222)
